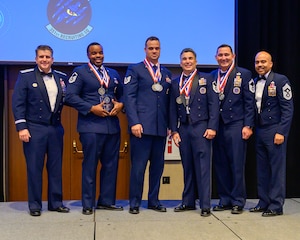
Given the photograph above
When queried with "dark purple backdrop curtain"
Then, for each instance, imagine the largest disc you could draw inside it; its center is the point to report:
(1, 130)
(272, 25)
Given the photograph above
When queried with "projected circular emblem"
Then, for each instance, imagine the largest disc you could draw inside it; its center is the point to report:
(69, 19)
(5, 19)
(1, 19)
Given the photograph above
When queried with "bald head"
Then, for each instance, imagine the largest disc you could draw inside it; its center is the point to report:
(263, 62)
(264, 54)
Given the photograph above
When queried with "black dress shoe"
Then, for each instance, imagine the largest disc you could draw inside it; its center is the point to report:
(87, 211)
(134, 210)
(236, 210)
(35, 213)
(205, 212)
(257, 209)
(61, 209)
(158, 208)
(110, 207)
(221, 207)
(182, 208)
(271, 213)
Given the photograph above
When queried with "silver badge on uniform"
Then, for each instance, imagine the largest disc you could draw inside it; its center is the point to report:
(202, 90)
(236, 90)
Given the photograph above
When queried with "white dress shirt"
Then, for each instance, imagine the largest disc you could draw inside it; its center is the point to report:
(51, 89)
(259, 89)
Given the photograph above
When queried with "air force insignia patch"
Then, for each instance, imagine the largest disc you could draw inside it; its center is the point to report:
(215, 87)
(287, 92)
(73, 77)
(252, 86)
(127, 79)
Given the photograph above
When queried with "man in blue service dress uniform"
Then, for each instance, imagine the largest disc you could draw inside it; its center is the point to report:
(194, 119)
(146, 88)
(37, 102)
(96, 92)
(237, 111)
(274, 113)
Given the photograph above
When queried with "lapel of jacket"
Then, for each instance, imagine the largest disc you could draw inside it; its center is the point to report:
(229, 83)
(89, 70)
(195, 85)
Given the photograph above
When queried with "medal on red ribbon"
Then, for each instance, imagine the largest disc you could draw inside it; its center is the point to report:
(185, 86)
(156, 76)
(221, 81)
(104, 80)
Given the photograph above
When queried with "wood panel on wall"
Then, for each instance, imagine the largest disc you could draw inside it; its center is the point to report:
(17, 183)
(17, 179)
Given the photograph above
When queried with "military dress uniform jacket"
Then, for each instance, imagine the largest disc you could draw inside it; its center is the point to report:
(142, 104)
(203, 103)
(239, 101)
(30, 100)
(82, 94)
(277, 104)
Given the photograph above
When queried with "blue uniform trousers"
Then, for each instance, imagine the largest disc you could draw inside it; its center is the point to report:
(45, 140)
(195, 152)
(229, 157)
(271, 168)
(106, 148)
(150, 148)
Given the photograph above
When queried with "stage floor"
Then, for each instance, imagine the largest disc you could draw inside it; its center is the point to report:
(16, 223)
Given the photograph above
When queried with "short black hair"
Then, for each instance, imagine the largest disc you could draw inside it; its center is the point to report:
(225, 45)
(188, 50)
(92, 44)
(152, 38)
(43, 47)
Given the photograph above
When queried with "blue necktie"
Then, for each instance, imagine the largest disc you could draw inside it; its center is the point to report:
(185, 78)
(154, 67)
(100, 71)
(222, 74)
